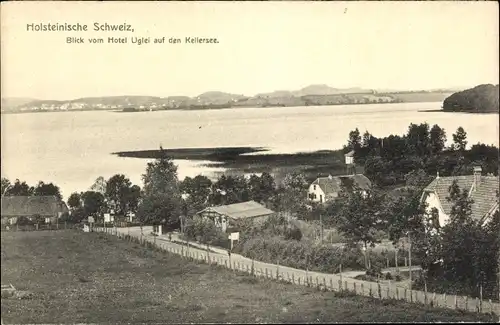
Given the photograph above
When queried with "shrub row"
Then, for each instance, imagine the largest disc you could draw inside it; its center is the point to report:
(302, 255)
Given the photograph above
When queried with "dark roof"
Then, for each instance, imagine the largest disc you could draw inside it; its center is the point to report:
(16, 206)
(332, 184)
(484, 195)
(242, 210)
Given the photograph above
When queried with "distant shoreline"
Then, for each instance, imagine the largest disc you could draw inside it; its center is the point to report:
(114, 110)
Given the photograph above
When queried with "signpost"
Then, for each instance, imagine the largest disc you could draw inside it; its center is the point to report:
(232, 237)
(91, 222)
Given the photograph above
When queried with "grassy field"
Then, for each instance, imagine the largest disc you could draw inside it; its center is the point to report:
(80, 277)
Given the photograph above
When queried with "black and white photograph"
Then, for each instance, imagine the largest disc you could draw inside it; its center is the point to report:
(249, 162)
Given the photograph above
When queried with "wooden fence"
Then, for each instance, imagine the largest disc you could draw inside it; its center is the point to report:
(326, 282)
(39, 227)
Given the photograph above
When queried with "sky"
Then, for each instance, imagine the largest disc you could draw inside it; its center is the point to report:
(263, 46)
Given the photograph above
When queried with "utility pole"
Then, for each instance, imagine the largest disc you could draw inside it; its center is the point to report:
(409, 263)
(321, 225)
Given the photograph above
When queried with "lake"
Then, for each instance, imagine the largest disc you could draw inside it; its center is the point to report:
(72, 149)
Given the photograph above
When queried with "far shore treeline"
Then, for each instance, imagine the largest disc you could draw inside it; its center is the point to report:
(399, 166)
(480, 99)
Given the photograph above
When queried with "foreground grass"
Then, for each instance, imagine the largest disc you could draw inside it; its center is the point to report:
(81, 277)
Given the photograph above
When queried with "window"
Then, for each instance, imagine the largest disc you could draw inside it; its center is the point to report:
(321, 198)
(315, 187)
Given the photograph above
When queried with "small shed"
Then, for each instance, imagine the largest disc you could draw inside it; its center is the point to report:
(227, 216)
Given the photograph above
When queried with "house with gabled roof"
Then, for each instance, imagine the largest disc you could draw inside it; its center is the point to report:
(48, 207)
(483, 190)
(229, 216)
(325, 189)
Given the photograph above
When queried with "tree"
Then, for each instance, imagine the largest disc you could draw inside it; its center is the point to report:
(161, 203)
(5, 185)
(361, 217)
(50, 189)
(408, 216)
(437, 139)
(458, 246)
(19, 189)
(197, 191)
(99, 185)
(291, 196)
(74, 201)
(261, 188)
(459, 140)
(93, 203)
(229, 190)
(418, 139)
(121, 195)
(134, 198)
(354, 141)
(418, 179)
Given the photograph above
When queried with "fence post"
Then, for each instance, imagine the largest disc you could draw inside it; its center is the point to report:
(478, 305)
(345, 286)
(248, 269)
(362, 289)
(406, 294)
(253, 267)
(331, 283)
(293, 279)
(317, 282)
(355, 291)
(234, 266)
(481, 297)
(387, 259)
(225, 263)
(491, 306)
(288, 276)
(425, 293)
(379, 290)
(278, 270)
(298, 279)
(456, 302)
(324, 283)
(388, 291)
(397, 293)
(466, 303)
(371, 291)
(266, 273)
(406, 264)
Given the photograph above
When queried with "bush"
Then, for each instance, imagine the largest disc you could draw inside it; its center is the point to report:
(388, 276)
(398, 277)
(293, 233)
(301, 255)
(24, 221)
(374, 271)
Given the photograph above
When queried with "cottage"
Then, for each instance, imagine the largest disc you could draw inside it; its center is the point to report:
(482, 190)
(229, 216)
(324, 189)
(48, 207)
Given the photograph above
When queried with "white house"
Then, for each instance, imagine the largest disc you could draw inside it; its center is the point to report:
(482, 190)
(324, 189)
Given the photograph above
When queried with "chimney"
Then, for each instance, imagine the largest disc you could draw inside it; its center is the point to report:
(330, 177)
(437, 175)
(477, 176)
